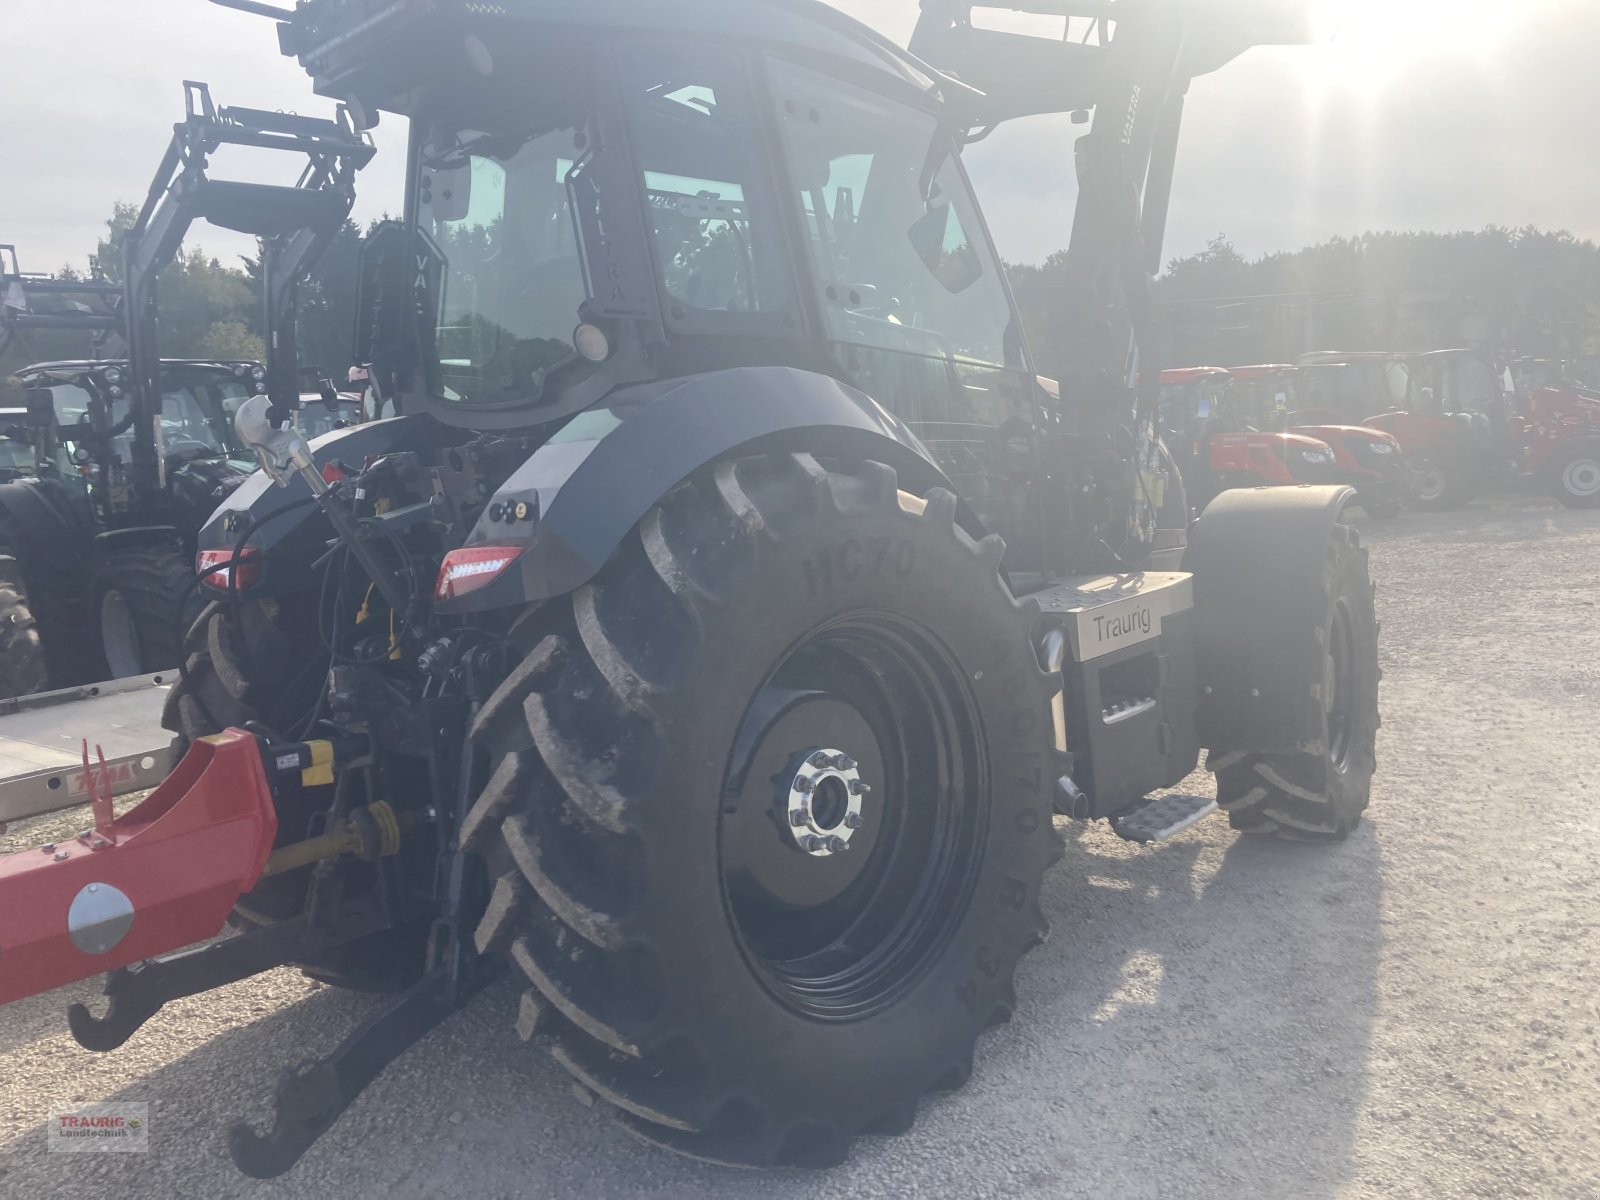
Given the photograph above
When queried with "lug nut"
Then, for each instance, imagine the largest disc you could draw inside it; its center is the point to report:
(820, 759)
(857, 788)
(797, 817)
(854, 820)
(805, 785)
(844, 763)
(811, 842)
(837, 844)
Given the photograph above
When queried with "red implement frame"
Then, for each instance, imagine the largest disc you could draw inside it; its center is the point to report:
(161, 877)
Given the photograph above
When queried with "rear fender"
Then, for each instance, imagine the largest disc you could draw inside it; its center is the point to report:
(1257, 559)
(583, 491)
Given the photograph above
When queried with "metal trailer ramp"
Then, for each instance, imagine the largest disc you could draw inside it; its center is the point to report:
(42, 742)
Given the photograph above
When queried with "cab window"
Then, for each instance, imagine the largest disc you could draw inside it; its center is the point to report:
(894, 234)
(712, 220)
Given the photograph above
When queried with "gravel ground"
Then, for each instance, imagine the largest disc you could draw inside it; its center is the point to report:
(1413, 1013)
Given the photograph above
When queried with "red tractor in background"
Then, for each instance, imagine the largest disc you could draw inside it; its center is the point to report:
(1447, 409)
(1560, 438)
(1223, 437)
(1370, 460)
(1462, 419)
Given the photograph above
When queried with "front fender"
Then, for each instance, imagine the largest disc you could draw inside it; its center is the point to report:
(595, 480)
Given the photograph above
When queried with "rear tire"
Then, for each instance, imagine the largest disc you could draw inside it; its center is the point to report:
(51, 539)
(142, 603)
(685, 952)
(22, 666)
(1320, 793)
(1573, 476)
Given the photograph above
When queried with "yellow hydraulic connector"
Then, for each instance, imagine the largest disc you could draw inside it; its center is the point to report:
(321, 769)
(371, 833)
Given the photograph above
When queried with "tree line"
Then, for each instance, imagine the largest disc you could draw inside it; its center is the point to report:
(1521, 291)
(1514, 291)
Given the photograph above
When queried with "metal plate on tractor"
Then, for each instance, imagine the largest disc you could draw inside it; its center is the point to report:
(41, 743)
(1107, 613)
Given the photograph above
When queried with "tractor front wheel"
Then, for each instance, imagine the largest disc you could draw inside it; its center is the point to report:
(22, 666)
(1320, 792)
(1574, 476)
(767, 808)
(141, 603)
(1440, 482)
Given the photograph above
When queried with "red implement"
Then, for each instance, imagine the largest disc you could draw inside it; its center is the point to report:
(161, 877)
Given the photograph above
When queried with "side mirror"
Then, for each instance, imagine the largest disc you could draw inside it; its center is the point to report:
(448, 192)
(944, 248)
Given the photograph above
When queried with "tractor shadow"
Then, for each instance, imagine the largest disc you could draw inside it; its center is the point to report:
(1201, 1022)
(1197, 1025)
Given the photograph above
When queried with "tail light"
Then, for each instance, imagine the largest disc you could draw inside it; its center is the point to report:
(473, 567)
(230, 574)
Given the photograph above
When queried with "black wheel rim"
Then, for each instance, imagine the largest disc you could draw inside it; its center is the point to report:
(1342, 705)
(841, 934)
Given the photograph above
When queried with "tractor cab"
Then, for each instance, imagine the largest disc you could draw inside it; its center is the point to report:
(1338, 386)
(88, 429)
(607, 199)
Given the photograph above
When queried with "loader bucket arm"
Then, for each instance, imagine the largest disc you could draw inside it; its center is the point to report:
(1129, 62)
(294, 224)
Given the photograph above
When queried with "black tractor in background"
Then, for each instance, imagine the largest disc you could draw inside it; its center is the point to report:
(131, 452)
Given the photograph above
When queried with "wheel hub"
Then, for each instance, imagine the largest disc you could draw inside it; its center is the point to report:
(824, 802)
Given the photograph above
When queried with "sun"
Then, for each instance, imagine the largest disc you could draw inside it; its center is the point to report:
(1372, 43)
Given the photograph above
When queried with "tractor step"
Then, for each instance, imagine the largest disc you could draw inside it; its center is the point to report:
(1162, 819)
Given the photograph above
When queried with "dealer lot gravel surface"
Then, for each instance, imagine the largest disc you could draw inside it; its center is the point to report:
(1414, 1013)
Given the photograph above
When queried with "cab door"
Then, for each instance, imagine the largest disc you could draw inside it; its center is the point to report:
(912, 297)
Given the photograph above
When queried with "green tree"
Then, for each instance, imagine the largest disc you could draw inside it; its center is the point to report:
(228, 340)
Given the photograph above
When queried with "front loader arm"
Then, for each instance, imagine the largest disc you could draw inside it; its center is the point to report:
(1129, 63)
(294, 225)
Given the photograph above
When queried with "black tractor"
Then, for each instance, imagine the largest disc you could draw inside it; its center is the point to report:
(716, 635)
(130, 452)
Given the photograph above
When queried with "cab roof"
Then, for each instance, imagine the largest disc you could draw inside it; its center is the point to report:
(357, 48)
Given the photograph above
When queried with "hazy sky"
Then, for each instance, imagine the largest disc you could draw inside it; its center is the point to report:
(1421, 114)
